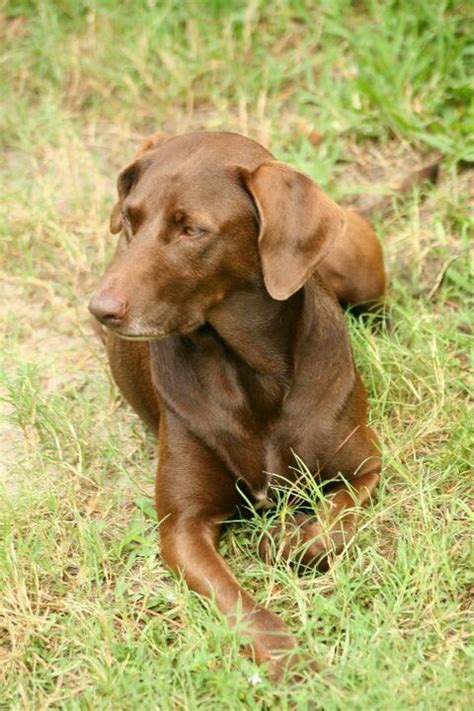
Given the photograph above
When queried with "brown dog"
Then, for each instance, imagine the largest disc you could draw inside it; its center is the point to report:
(229, 345)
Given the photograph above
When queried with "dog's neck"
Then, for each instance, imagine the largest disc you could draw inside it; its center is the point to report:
(259, 329)
(271, 337)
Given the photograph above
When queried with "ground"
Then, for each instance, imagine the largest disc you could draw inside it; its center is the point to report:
(358, 94)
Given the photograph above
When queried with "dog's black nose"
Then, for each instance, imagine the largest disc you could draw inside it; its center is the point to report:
(107, 309)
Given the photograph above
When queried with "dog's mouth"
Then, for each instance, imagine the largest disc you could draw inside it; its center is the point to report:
(143, 337)
(159, 334)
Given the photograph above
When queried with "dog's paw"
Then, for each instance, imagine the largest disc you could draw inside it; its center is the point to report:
(304, 541)
(294, 667)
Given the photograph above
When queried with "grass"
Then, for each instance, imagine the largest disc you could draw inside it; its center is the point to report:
(89, 618)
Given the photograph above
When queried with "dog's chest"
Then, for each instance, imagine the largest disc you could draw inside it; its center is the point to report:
(229, 406)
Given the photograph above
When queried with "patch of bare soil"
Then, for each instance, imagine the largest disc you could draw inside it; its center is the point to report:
(372, 170)
(378, 181)
(11, 449)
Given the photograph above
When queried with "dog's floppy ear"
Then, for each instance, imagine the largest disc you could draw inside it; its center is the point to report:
(298, 225)
(129, 176)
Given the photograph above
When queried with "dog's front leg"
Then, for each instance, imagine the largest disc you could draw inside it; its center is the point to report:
(194, 495)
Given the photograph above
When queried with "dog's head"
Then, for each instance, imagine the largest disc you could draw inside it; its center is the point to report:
(202, 215)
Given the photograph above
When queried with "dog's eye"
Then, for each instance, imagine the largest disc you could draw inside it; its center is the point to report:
(192, 231)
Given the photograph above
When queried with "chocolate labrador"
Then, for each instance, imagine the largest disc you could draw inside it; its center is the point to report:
(225, 336)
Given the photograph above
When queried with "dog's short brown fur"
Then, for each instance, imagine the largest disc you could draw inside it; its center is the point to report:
(227, 342)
